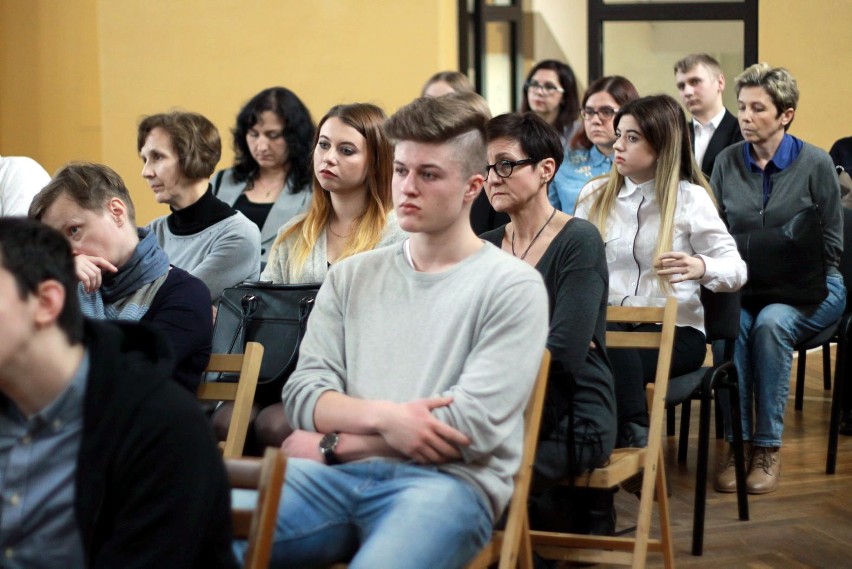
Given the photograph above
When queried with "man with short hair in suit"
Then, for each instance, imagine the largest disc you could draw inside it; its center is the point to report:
(701, 83)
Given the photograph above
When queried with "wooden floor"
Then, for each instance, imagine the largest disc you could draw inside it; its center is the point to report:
(806, 523)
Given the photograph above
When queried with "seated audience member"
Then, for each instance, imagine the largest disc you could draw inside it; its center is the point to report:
(270, 179)
(579, 421)
(841, 153)
(350, 212)
(21, 178)
(589, 154)
(104, 461)
(123, 273)
(550, 91)
(203, 235)
(414, 373)
(763, 182)
(446, 83)
(663, 237)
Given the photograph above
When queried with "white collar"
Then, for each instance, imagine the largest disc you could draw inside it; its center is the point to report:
(715, 121)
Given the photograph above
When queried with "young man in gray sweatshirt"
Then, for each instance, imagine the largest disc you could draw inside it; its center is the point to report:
(413, 376)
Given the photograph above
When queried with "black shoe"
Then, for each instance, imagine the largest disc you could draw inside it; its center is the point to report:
(845, 424)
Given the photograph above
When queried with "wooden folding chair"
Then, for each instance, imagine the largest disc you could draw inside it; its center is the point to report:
(627, 462)
(240, 392)
(257, 525)
(512, 545)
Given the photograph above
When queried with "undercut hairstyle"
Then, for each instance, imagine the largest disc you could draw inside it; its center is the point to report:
(450, 120)
(689, 62)
(662, 123)
(457, 81)
(619, 88)
(537, 139)
(368, 120)
(299, 133)
(88, 185)
(778, 83)
(569, 106)
(33, 253)
(194, 138)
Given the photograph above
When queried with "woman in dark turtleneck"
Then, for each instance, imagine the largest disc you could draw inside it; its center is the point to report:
(203, 235)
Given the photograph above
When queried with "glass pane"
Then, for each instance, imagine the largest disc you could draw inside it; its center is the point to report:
(672, 1)
(645, 52)
(497, 70)
(500, 2)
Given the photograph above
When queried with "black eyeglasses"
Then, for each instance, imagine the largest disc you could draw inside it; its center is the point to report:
(504, 168)
(605, 113)
(543, 88)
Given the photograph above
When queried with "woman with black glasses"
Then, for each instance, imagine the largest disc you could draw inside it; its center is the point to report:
(550, 91)
(579, 422)
(590, 152)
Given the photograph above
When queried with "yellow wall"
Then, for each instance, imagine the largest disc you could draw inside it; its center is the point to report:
(77, 75)
(49, 81)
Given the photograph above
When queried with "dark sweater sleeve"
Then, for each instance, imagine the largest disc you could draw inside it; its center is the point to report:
(576, 293)
(169, 491)
(181, 311)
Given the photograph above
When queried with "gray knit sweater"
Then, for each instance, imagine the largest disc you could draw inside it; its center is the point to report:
(739, 192)
(475, 331)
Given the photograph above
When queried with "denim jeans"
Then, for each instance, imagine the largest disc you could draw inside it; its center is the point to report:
(378, 513)
(763, 356)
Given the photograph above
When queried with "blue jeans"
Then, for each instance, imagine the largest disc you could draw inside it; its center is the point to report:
(378, 513)
(763, 356)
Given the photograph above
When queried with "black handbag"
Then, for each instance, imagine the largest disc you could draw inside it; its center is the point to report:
(786, 264)
(274, 315)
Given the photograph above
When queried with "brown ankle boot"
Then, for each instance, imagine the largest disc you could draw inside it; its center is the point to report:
(765, 470)
(726, 472)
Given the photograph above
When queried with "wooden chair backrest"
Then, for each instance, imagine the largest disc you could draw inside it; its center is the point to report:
(241, 392)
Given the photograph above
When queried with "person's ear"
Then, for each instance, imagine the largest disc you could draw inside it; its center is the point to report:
(117, 210)
(787, 116)
(721, 80)
(474, 186)
(50, 300)
(548, 170)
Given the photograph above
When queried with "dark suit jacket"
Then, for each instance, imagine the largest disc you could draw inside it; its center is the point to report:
(727, 134)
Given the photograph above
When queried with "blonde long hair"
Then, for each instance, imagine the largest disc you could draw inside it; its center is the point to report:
(663, 124)
(367, 119)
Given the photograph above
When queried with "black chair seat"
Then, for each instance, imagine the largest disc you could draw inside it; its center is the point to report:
(819, 338)
(682, 387)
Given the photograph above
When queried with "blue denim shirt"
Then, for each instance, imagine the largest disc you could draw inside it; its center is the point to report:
(785, 154)
(578, 167)
(38, 461)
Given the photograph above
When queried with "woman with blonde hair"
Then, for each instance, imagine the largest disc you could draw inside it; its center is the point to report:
(350, 212)
(663, 236)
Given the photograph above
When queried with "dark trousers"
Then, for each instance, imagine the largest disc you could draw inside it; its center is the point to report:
(634, 368)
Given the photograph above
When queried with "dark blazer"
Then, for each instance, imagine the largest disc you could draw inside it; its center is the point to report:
(727, 134)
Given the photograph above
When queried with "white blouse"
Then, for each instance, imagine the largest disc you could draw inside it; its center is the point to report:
(631, 239)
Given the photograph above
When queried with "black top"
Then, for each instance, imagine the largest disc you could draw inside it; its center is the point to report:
(483, 217)
(256, 212)
(150, 485)
(207, 211)
(577, 280)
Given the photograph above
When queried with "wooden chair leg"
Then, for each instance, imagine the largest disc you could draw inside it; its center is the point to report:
(525, 552)
(665, 520)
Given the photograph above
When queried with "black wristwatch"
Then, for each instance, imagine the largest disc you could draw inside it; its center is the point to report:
(327, 446)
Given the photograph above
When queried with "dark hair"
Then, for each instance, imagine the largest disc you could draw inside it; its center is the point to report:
(569, 107)
(195, 140)
(444, 120)
(537, 139)
(88, 185)
(33, 253)
(299, 132)
(618, 87)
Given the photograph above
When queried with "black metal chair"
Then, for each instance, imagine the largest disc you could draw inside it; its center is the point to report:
(832, 333)
(722, 323)
(840, 380)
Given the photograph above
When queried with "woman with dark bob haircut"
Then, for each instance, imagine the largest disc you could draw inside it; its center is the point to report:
(270, 179)
(590, 152)
(203, 235)
(579, 422)
(550, 91)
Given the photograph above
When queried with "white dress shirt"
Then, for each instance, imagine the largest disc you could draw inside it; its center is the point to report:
(703, 133)
(631, 240)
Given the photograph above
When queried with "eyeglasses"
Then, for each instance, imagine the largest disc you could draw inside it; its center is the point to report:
(544, 89)
(504, 168)
(605, 113)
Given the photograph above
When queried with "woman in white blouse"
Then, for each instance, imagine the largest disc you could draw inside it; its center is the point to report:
(663, 237)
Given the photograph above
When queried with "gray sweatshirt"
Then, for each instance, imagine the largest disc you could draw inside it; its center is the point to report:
(381, 330)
